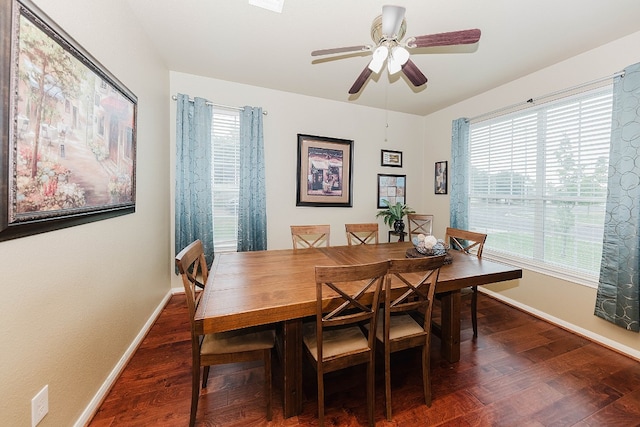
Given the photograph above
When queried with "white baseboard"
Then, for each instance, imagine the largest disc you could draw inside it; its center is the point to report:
(97, 400)
(604, 341)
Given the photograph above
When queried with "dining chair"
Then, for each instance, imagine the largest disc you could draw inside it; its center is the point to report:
(335, 340)
(240, 345)
(362, 234)
(472, 243)
(310, 236)
(406, 320)
(420, 224)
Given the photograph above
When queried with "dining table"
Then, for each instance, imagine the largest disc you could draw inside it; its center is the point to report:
(246, 289)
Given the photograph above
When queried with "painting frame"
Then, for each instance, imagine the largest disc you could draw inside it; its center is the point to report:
(324, 170)
(391, 158)
(392, 188)
(440, 183)
(67, 127)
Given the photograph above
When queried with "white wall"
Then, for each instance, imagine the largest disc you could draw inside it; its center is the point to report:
(566, 303)
(290, 114)
(75, 299)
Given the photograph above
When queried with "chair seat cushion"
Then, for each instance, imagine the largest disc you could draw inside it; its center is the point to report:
(237, 341)
(401, 326)
(334, 341)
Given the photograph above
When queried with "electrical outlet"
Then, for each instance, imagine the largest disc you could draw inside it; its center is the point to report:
(39, 406)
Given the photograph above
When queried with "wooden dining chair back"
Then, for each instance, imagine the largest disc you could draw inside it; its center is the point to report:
(346, 297)
(472, 243)
(469, 242)
(226, 347)
(310, 236)
(362, 234)
(420, 224)
(406, 320)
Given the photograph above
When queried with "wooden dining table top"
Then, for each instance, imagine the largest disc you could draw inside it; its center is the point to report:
(254, 288)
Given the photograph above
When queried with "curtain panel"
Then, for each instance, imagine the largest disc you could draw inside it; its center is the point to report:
(459, 173)
(193, 204)
(252, 203)
(618, 290)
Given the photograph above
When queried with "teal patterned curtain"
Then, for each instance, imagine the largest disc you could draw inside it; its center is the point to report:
(194, 215)
(459, 174)
(252, 209)
(617, 297)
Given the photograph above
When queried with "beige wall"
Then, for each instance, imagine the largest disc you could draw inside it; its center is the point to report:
(290, 114)
(568, 304)
(75, 299)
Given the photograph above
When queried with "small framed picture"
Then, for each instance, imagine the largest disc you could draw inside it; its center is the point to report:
(392, 188)
(391, 158)
(441, 178)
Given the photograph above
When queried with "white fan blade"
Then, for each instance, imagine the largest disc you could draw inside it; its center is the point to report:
(392, 17)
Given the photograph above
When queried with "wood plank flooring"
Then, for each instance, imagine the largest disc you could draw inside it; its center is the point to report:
(520, 371)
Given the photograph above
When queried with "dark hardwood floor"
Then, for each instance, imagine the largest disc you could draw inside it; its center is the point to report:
(520, 371)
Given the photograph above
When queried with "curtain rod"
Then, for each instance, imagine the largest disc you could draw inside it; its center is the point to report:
(175, 98)
(549, 95)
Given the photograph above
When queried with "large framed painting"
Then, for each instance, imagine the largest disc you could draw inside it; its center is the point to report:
(392, 188)
(324, 171)
(68, 129)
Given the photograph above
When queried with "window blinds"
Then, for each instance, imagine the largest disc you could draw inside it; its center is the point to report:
(538, 180)
(225, 137)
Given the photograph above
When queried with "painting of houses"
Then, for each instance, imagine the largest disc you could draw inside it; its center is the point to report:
(325, 172)
(73, 132)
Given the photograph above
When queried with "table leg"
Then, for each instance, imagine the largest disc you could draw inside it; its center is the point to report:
(450, 326)
(292, 367)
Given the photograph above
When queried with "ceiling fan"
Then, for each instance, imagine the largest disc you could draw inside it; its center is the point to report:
(387, 31)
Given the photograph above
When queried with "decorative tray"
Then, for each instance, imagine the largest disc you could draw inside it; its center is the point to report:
(413, 253)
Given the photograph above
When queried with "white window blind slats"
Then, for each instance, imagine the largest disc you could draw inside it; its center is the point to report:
(538, 183)
(225, 136)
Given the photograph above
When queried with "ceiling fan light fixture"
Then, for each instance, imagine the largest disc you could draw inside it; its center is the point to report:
(387, 33)
(379, 56)
(398, 57)
(392, 18)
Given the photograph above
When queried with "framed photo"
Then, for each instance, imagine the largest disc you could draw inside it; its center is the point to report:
(69, 151)
(391, 158)
(324, 171)
(441, 178)
(392, 188)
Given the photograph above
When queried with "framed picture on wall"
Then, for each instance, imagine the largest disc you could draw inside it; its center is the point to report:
(70, 148)
(392, 188)
(391, 158)
(324, 171)
(440, 181)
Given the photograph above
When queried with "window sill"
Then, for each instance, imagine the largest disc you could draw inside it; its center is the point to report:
(553, 271)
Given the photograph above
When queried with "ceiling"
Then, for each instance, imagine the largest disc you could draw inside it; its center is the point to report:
(235, 41)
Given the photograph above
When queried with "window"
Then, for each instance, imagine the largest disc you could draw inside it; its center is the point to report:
(538, 184)
(225, 137)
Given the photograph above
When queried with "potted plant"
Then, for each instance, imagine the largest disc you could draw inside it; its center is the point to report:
(393, 214)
